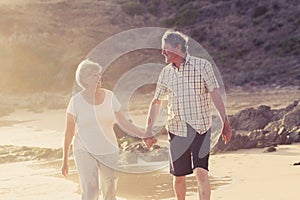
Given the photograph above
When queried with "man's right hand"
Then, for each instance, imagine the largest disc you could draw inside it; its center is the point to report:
(226, 132)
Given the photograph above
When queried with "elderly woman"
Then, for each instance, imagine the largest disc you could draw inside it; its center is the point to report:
(90, 117)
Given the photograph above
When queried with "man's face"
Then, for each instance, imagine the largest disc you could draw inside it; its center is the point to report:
(170, 53)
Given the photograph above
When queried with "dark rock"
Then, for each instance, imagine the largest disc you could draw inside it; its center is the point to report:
(244, 140)
(271, 149)
(270, 137)
(284, 130)
(273, 127)
(298, 163)
(291, 106)
(269, 144)
(251, 144)
(281, 139)
(272, 131)
(258, 134)
(295, 134)
(139, 148)
(238, 143)
(233, 144)
(252, 119)
(278, 114)
(220, 145)
(155, 147)
(288, 140)
(292, 118)
(260, 144)
(281, 130)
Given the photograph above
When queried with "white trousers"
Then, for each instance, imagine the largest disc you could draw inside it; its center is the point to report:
(90, 167)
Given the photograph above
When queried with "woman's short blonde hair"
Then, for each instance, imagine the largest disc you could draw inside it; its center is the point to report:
(84, 69)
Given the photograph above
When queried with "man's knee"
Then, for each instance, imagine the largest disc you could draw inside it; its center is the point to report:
(179, 180)
(201, 174)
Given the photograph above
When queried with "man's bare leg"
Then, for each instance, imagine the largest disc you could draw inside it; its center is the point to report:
(203, 183)
(179, 186)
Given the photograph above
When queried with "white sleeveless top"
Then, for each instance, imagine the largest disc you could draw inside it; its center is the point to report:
(94, 123)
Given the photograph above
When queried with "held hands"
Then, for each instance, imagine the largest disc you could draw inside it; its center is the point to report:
(149, 140)
(226, 132)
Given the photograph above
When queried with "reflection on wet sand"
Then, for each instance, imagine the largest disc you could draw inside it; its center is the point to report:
(146, 180)
(11, 122)
(158, 185)
(137, 186)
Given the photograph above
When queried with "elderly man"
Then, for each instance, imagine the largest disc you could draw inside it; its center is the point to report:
(188, 84)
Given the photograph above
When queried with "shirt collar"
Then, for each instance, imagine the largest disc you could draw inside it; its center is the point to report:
(187, 59)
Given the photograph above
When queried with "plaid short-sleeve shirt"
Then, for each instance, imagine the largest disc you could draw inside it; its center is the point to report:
(187, 91)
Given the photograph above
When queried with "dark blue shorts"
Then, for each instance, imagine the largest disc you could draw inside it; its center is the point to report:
(188, 153)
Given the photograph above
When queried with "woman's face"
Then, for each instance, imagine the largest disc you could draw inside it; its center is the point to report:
(93, 80)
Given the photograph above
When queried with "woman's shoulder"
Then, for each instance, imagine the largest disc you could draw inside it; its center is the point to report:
(75, 97)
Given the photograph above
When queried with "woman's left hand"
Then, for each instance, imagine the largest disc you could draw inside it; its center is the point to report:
(65, 169)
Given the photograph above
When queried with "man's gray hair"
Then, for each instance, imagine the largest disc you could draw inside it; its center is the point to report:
(175, 38)
(84, 69)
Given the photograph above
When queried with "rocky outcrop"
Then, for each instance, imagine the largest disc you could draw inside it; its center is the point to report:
(251, 119)
(131, 153)
(263, 127)
(292, 119)
(251, 128)
(10, 153)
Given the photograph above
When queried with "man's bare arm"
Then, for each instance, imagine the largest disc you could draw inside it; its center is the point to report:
(152, 114)
(219, 104)
(151, 118)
